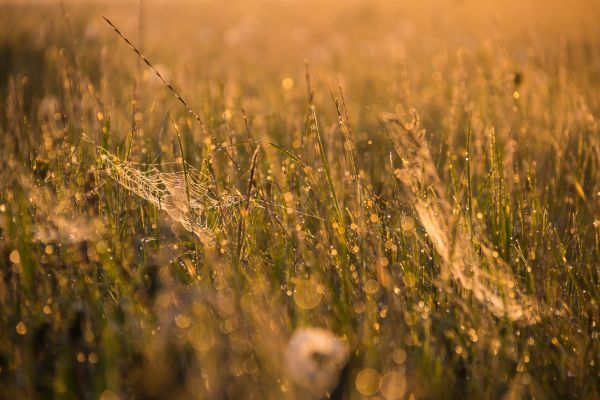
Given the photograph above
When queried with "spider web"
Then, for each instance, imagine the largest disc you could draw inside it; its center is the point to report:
(488, 278)
(189, 197)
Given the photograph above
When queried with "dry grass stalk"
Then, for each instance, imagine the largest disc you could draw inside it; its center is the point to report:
(489, 278)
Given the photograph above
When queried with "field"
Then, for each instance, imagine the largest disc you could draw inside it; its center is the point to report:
(300, 199)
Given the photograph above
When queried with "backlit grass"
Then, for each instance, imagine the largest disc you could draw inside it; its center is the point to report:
(353, 199)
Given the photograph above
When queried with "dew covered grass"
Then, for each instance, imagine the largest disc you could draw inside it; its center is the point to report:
(300, 199)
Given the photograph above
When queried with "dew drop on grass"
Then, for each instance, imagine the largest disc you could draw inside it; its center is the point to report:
(371, 286)
(383, 312)
(15, 257)
(287, 84)
(21, 328)
(183, 321)
(306, 294)
(407, 224)
(359, 307)
(368, 382)
(249, 366)
(92, 358)
(109, 395)
(288, 197)
(393, 385)
(399, 356)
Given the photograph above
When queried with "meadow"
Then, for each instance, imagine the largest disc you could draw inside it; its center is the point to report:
(301, 199)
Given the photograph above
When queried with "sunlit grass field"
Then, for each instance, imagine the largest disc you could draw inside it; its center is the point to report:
(300, 199)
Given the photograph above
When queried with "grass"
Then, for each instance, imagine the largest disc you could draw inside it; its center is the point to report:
(420, 181)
